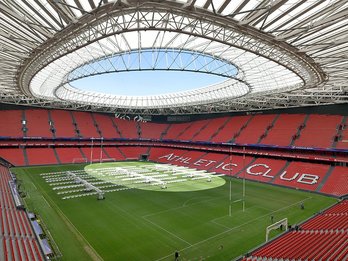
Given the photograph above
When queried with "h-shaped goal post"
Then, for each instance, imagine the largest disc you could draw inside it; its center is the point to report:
(276, 225)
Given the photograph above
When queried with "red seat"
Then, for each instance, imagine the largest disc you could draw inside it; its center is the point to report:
(255, 129)
(41, 156)
(63, 123)
(285, 127)
(106, 126)
(302, 175)
(85, 124)
(230, 129)
(151, 130)
(337, 183)
(37, 123)
(128, 128)
(319, 131)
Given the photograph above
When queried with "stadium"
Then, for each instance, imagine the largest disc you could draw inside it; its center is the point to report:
(173, 130)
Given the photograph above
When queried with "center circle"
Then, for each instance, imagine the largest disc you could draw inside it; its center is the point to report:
(174, 182)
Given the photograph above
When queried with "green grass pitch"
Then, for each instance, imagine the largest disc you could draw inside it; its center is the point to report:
(138, 224)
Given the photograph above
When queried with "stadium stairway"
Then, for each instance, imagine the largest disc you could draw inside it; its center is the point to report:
(212, 129)
(106, 153)
(176, 130)
(287, 163)
(63, 123)
(114, 153)
(69, 155)
(296, 175)
(198, 158)
(121, 152)
(105, 125)
(26, 161)
(299, 130)
(319, 131)
(283, 130)
(337, 183)
(56, 155)
(340, 128)
(263, 169)
(37, 123)
(85, 126)
(52, 129)
(193, 130)
(148, 150)
(241, 129)
(127, 128)
(96, 125)
(164, 133)
(343, 135)
(116, 128)
(95, 155)
(209, 161)
(76, 129)
(83, 154)
(268, 128)
(197, 135)
(325, 178)
(254, 129)
(150, 130)
(24, 124)
(231, 128)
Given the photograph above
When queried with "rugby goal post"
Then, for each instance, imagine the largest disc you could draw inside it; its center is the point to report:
(276, 225)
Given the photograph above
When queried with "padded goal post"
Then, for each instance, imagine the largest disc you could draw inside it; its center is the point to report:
(281, 223)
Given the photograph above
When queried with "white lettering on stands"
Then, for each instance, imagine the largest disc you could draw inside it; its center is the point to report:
(282, 176)
(183, 160)
(264, 174)
(229, 166)
(199, 162)
(204, 162)
(210, 162)
(172, 157)
(168, 157)
(308, 179)
(304, 178)
(218, 166)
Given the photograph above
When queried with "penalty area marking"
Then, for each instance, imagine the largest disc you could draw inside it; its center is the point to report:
(231, 229)
(192, 199)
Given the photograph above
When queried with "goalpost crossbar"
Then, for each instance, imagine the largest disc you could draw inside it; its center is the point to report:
(276, 225)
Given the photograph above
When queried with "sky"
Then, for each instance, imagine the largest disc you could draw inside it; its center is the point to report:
(144, 83)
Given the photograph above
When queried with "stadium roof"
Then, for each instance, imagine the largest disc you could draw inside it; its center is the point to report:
(271, 53)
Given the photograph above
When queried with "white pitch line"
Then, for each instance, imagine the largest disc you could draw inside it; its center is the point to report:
(179, 207)
(170, 233)
(229, 230)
